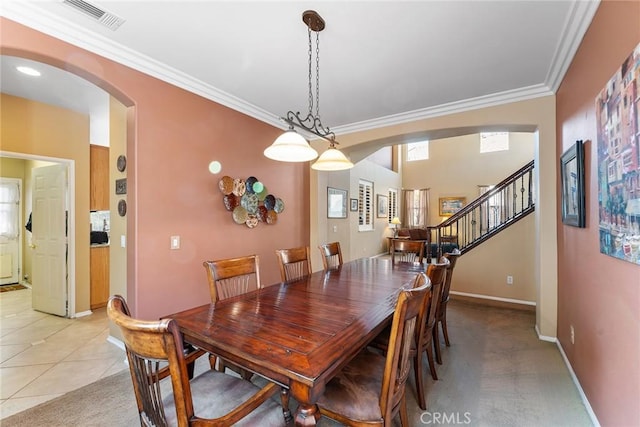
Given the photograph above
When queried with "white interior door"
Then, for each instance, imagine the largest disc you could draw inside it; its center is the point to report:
(10, 196)
(49, 240)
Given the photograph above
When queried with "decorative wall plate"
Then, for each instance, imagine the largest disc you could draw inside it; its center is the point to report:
(249, 184)
(252, 221)
(272, 217)
(240, 215)
(121, 163)
(262, 213)
(122, 207)
(230, 201)
(270, 202)
(264, 193)
(279, 206)
(239, 187)
(250, 202)
(226, 185)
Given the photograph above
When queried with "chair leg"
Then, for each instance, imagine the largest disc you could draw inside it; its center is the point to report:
(286, 412)
(444, 328)
(432, 364)
(404, 417)
(417, 370)
(436, 343)
(213, 361)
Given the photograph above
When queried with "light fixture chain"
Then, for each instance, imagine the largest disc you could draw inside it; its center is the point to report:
(310, 75)
(318, 75)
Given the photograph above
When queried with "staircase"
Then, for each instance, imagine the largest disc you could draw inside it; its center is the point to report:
(503, 205)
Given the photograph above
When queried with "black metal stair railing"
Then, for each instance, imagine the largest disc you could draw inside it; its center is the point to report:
(503, 205)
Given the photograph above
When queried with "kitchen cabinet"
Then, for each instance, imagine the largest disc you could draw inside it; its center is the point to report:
(98, 178)
(99, 261)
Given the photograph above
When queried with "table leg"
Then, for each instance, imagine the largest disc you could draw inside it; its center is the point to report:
(307, 415)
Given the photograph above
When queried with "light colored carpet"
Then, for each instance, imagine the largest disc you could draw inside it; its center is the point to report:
(496, 373)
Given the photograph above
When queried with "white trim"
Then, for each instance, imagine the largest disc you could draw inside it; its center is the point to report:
(583, 396)
(83, 314)
(545, 337)
(115, 341)
(509, 300)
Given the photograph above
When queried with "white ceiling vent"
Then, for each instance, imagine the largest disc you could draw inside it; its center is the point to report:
(105, 18)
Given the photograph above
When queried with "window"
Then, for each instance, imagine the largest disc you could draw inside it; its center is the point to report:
(494, 141)
(393, 204)
(365, 209)
(9, 208)
(417, 151)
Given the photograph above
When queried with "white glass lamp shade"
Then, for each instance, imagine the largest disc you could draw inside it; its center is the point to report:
(332, 160)
(290, 147)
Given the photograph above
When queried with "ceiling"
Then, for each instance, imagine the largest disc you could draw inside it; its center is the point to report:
(381, 62)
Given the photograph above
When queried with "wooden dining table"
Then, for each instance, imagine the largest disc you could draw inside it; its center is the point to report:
(299, 334)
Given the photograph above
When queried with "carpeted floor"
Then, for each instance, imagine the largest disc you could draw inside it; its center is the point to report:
(14, 287)
(496, 373)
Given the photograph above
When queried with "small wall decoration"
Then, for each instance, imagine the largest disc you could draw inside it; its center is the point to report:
(572, 181)
(447, 206)
(354, 205)
(121, 186)
(121, 163)
(336, 203)
(618, 150)
(122, 207)
(249, 201)
(383, 206)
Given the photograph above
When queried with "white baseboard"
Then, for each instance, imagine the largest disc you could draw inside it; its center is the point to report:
(116, 342)
(545, 337)
(83, 313)
(583, 396)
(509, 300)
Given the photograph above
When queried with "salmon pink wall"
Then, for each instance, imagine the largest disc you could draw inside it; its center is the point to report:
(597, 294)
(170, 191)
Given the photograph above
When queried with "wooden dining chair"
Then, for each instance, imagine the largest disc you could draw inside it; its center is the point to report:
(370, 389)
(441, 314)
(232, 276)
(294, 263)
(406, 250)
(331, 255)
(155, 351)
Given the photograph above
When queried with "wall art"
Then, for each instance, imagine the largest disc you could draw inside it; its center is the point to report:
(572, 182)
(618, 150)
(249, 201)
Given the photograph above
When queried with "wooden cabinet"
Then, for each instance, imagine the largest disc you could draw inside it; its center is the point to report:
(99, 261)
(98, 178)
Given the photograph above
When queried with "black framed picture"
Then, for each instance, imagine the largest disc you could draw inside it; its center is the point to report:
(572, 181)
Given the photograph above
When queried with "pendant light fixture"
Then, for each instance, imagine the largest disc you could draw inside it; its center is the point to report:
(293, 147)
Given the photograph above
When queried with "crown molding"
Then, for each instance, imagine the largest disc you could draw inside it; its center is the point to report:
(470, 104)
(41, 20)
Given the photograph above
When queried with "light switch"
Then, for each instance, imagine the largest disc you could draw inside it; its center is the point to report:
(123, 241)
(335, 228)
(175, 242)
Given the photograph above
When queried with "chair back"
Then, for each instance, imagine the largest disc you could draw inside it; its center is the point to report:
(294, 263)
(453, 258)
(331, 255)
(149, 346)
(406, 317)
(406, 250)
(437, 273)
(232, 276)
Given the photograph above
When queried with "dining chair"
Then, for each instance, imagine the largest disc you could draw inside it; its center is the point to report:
(294, 263)
(441, 314)
(406, 250)
(228, 278)
(370, 389)
(232, 276)
(331, 255)
(155, 351)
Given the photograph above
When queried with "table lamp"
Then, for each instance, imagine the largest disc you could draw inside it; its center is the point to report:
(396, 222)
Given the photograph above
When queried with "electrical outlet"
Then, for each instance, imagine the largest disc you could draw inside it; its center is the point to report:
(573, 334)
(509, 280)
(175, 242)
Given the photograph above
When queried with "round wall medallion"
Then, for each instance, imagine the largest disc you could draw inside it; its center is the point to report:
(122, 208)
(121, 163)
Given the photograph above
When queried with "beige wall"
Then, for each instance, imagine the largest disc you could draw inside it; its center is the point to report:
(42, 130)
(455, 168)
(598, 295)
(536, 115)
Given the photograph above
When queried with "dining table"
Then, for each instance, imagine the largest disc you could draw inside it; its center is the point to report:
(301, 333)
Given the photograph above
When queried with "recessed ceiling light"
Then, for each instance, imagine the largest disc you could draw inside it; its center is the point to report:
(28, 71)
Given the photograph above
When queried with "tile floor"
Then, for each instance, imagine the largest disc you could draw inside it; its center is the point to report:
(44, 356)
